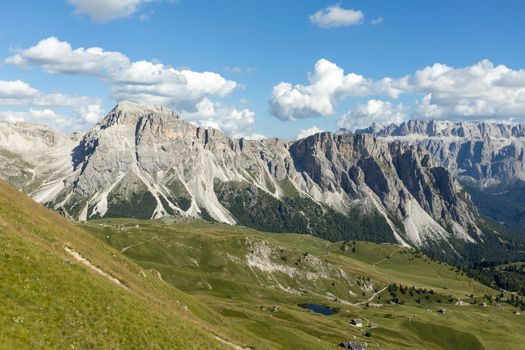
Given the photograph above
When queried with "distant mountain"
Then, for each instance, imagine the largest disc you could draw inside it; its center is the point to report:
(146, 162)
(35, 158)
(483, 152)
(488, 159)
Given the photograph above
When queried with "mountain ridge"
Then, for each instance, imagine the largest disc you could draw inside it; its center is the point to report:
(443, 128)
(486, 153)
(147, 162)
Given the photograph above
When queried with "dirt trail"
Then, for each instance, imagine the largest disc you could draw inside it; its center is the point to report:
(387, 281)
(385, 259)
(123, 250)
(372, 297)
(233, 346)
(87, 263)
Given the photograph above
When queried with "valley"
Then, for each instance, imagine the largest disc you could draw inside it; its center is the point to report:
(116, 283)
(259, 281)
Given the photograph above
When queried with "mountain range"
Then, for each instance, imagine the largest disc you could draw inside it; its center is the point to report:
(484, 152)
(381, 184)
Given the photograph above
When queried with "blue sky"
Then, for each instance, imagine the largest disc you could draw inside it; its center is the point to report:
(253, 46)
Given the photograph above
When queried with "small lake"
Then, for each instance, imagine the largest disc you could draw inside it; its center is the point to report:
(320, 309)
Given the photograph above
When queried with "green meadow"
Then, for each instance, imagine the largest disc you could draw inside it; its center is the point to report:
(258, 280)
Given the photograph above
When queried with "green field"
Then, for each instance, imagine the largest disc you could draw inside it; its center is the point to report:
(257, 280)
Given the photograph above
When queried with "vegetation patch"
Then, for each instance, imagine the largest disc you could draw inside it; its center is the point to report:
(255, 208)
(179, 194)
(443, 336)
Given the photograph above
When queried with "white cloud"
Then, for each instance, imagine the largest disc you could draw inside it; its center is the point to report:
(480, 91)
(308, 132)
(336, 16)
(92, 113)
(377, 21)
(107, 10)
(327, 83)
(252, 136)
(374, 111)
(40, 116)
(55, 56)
(232, 121)
(155, 83)
(140, 81)
(16, 92)
(84, 110)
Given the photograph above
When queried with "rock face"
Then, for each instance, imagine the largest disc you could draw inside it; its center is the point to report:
(400, 181)
(485, 153)
(146, 162)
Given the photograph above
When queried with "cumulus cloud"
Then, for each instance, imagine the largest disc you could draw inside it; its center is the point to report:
(56, 56)
(327, 83)
(336, 16)
(91, 112)
(30, 115)
(16, 92)
(308, 132)
(44, 116)
(142, 81)
(232, 121)
(252, 136)
(482, 90)
(84, 109)
(374, 111)
(107, 10)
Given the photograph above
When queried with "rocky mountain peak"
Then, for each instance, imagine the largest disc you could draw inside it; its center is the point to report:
(126, 112)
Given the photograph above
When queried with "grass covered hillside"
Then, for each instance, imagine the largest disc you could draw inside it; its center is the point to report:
(61, 288)
(260, 283)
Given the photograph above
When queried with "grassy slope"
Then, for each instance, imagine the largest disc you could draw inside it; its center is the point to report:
(210, 262)
(50, 300)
